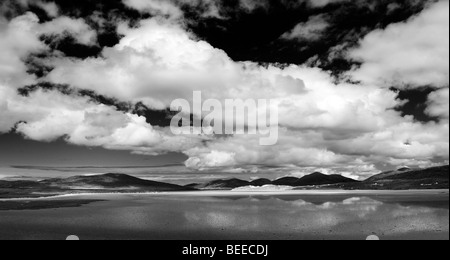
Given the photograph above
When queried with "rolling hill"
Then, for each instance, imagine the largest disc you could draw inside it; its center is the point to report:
(413, 174)
(260, 182)
(402, 179)
(431, 178)
(221, 184)
(117, 183)
(111, 181)
(314, 179)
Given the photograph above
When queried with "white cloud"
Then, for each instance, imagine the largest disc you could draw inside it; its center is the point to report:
(173, 9)
(211, 159)
(50, 8)
(413, 53)
(76, 28)
(346, 109)
(49, 115)
(405, 140)
(342, 127)
(308, 151)
(108, 128)
(322, 3)
(17, 40)
(160, 62)
(312, 3)
(300, 149)
(327, 124)
(7, 119)
(156, 7)
(311, 30)
(252, 5)
(439, 104)
(20, 37)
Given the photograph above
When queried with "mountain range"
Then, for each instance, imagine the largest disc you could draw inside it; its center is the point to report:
(405, 179)
(308, 180)
(106, 183)
(111, 181)
(401, 179)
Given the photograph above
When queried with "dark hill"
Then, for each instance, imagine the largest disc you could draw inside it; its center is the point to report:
(431, 173)
(318, 178)
(314, 179)
(117, 183)
(112, 181)
(287, 181)
(223, 184)
(261, 182)
(405, 179)
(431, 178)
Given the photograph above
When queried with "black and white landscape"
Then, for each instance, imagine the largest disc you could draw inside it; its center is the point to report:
(133, 119)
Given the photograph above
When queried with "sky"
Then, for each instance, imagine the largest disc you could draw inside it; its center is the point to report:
(362, 86)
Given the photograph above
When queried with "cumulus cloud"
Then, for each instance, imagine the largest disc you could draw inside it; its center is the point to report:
(312, 30)
(160, 62)
(50, 8)
(252, 5)
(49, 115)
(156, 7)
(406, 142)
(409, 54)
(18, 40)
(325, 124)
(63, 26)
(312, 3)
(438, 102)
(343, 127)
(172, 9)
(7, 119)
(322, 3)
(21, 37)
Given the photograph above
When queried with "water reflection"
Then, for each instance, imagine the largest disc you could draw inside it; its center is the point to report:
(245, 217)
(319, 216)
(436, 201)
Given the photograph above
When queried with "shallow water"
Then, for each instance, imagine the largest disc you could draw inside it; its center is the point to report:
(238, 217)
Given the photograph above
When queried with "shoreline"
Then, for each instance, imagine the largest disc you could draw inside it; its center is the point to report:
(228, 193)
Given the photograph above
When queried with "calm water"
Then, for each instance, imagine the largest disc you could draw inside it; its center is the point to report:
(237, 217)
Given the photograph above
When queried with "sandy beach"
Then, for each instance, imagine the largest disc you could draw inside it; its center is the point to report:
(227, 193)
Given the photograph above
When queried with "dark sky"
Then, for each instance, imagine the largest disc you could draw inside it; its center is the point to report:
(15, 151)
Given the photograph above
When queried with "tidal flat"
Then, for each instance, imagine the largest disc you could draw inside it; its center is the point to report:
(226, 215)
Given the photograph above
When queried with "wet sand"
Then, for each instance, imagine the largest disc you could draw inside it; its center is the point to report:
(42, 204)
(231, 193)
(236, 215)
